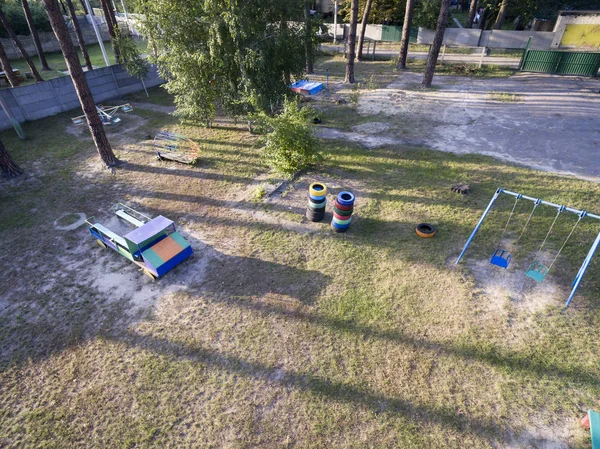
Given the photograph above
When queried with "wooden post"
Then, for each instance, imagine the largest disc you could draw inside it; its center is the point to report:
(374, 48)
(482, 55)
(443, 54)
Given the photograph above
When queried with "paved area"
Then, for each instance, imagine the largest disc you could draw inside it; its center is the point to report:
(542, 121)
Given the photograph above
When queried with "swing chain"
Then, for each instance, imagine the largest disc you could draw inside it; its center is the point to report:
(537, 202)
(519, 196)
(560, 209)
(581, 215)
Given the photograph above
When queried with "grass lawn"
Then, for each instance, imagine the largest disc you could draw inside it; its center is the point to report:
(58, 64)
(280, 333)
(382, 70)
(461, 16)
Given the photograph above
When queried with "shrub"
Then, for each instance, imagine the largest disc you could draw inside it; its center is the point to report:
(291, 144)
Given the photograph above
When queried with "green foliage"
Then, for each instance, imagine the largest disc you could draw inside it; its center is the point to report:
(134, 64)
(355, 95)
(239, 54)
(16, 17)
(291, 145)
(259, 193)
(389, 12)
(427, 13)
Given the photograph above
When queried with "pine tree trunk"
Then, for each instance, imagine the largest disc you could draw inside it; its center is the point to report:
(284, 32)
(472, 11)
(8, 168)
(363, 28)
(111, 9)
(434, 51)
(501, 15)
(85, 11)
(35, 35)
(308, 38)
(108, 15)
(16, 41)
(351, 43)
(80, 39)
(8, 70)
(79, 81)
(483, 19)
(64, 9)
(403, 56)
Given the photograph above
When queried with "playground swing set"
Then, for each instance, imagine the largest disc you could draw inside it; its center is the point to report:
(537, 269)
(106, 114)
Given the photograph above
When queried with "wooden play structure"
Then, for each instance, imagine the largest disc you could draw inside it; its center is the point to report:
(174, 147)
(537, 269)
(154, 245)
(107, 114)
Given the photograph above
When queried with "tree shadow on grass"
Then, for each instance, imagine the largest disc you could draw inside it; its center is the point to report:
(93, 311)
(492, 355)
(319, 386)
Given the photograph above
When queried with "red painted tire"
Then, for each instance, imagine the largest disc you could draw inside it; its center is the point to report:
(341, 217)
(340, 207)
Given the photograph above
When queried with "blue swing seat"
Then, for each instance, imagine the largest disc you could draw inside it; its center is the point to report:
(537, 271)
(501, 258)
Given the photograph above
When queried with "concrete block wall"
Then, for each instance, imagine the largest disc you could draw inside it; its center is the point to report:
(452, 36)
(372, 32)
(461, 37)
(541, 40)
(36, 101)
(49, 42)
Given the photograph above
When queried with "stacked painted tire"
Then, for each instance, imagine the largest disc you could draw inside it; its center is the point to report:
(342, 212)
(317, 200)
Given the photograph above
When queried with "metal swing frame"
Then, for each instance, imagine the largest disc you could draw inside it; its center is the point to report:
(106, 114)
(581, 213)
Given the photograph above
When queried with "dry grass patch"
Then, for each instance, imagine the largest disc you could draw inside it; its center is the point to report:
(280, 333)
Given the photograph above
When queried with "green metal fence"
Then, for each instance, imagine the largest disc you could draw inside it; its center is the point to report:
(390, 33)
(561, 62)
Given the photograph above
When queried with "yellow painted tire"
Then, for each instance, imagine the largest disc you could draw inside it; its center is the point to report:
(101, 243)
(317, 189)
(425, 230)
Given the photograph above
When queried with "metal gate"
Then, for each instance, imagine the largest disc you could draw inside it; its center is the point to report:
(391, 33)
(561, 62)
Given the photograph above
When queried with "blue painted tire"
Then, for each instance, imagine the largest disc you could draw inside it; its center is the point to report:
(338, 229)
(345, 198)
(339, 226)
(317, 199)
